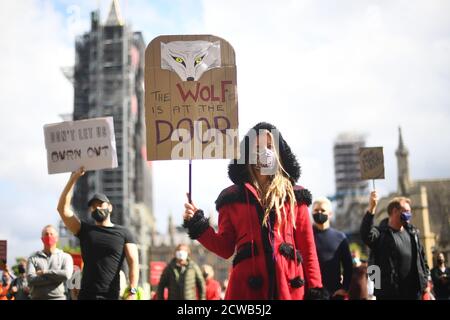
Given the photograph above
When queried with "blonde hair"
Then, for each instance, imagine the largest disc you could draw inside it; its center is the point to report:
(278, 191)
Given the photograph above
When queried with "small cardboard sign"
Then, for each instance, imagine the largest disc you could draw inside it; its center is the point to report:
(191, 102)
(71, 144)
(371, 161)
(3, 249)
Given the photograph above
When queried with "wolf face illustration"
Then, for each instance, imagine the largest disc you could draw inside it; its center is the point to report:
(190, 59)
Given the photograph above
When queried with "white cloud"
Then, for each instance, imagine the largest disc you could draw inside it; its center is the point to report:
(360, 66)
(34, 92)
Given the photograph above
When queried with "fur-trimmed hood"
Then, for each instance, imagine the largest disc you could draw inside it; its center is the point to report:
(237, 169)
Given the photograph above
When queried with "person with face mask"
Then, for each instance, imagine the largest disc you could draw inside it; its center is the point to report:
(441, 278)
(396, 250)
(19, 289)
(264, 221)
(182, 277)
(49, 269)
(104, 246)
(333, 251)
(213, 287)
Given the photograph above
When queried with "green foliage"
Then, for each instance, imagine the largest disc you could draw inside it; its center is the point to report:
(70, 249)
(357, 248)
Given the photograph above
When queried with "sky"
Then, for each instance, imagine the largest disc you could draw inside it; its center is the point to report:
(315, 69)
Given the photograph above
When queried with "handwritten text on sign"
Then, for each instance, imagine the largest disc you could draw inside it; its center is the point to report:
(372, 163)
(90, 143)
(190, 80)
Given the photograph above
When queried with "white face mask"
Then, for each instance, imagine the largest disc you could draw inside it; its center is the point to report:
(181, 255)
(267, 161)
(266, 158)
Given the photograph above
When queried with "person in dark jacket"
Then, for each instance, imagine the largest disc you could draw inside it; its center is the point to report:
(396, 250)
(332, 250)
(441, 279)
(182, 277)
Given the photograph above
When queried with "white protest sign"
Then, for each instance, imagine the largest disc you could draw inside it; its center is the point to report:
(71, 144)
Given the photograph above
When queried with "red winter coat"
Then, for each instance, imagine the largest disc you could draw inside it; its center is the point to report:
(267, 264)
(239, 226)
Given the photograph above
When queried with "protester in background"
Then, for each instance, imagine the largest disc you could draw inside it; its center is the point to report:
(5, 284)
(332, 250)
(441, 278)
(213, 288)
(49, 269)
(19, 289)
(104, 246)
(182, 277)
(397, 251)
(359, 286)
(264, 218)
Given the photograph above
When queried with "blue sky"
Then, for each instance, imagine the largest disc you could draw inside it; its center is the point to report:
(313, 68)
(153, 18)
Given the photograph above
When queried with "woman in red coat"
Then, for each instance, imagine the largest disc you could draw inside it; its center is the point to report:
(264, 219)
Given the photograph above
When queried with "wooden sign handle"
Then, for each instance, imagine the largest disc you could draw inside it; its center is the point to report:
(190, 182)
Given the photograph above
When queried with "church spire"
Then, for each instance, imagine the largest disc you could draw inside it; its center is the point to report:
(171, 230)
(401, 145)
(114, 16)
(404, 181)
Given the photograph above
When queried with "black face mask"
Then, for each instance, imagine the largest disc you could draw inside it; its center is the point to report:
(320, 218)
(21, 268)
(100, 215)
(205, 275)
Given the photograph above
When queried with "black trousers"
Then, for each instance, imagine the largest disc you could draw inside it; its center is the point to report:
(83, 295)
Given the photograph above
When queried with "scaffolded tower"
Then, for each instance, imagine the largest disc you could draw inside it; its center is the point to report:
(108, 80)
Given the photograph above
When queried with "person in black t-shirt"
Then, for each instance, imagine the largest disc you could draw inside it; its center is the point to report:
(104, 246)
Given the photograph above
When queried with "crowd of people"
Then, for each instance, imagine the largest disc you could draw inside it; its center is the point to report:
(264, 224)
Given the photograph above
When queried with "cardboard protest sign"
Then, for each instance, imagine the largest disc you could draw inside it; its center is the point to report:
(371, 161)
(71, 144)
(190, 87)
(3, 249)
